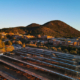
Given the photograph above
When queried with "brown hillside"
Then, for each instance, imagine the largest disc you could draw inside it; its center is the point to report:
(33, 25)
(54, 28)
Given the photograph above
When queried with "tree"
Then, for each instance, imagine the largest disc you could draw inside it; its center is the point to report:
(5, 37)
(19, 42)
(23, 45)
(59, 48)
(65, 50)
(9, 48)
(9, 36)
(1, 44)
(8, 43)
(54, 48)
(0, 36)
(73, 52)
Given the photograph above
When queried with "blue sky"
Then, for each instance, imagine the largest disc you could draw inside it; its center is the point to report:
(24, 12)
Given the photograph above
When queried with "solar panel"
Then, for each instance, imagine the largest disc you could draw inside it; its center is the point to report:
(52, 65)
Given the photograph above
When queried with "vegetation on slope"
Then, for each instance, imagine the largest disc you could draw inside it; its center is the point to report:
(54, 28)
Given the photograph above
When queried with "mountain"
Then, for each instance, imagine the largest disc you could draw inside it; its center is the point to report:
(54, 28)
(33, 25)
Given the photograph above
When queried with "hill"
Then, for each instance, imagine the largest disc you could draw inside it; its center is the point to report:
(54, 28)
(19, 29)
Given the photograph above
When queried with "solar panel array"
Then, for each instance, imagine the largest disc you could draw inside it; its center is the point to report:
(65, 62)
(44, 69)
(25, 71)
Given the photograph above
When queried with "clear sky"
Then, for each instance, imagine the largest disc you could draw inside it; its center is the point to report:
(24, 12)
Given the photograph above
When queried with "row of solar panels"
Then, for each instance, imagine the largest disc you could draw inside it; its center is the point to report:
(67, 64)
(10, 75)
(46, 70)
(63, 63)
(34, 52)
(59, 53)
(53, 65)
(37, 53)
(20, 69)
(54, 61)
(68, 61)
(64, 56)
